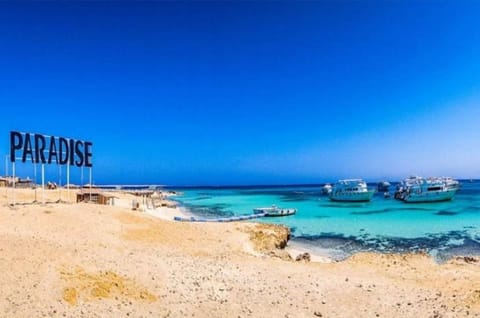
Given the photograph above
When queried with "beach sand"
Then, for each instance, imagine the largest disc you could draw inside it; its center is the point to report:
(87, 260)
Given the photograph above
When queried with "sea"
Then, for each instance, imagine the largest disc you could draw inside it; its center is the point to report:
(339, 229)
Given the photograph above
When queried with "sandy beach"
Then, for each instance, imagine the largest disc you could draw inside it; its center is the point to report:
(87, 260)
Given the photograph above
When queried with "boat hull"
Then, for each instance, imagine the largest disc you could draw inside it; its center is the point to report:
(352, 196)
(430, 196)
(274, 211)
(282, 212)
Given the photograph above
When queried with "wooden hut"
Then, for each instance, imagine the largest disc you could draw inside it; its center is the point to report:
(95, 196)
(25, 184)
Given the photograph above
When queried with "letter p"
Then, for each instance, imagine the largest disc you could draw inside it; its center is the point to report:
(16, 143)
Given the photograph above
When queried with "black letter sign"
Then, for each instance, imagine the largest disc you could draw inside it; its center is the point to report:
(49, 149)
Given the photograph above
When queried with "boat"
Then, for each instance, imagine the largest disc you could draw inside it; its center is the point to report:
(418, 189)
(351, 190)
(326, 189)
(402, 186)
(451, 183)
(275, 211)
(386, 195)
(383, 186)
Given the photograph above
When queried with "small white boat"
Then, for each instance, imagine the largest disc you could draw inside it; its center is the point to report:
(352, 190)
(326, 189)
(386, 195)
(275, 211)
(383, 186)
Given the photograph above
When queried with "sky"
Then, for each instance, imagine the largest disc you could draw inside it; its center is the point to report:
(228, 93)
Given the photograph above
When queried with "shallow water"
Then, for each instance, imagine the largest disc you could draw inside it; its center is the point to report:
(387, 225)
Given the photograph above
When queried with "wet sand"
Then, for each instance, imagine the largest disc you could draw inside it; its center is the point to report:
(87, 260)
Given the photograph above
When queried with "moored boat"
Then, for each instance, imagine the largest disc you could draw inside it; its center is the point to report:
(275, 211)
(351, 190)
(326, 189)
(418, 189)
(383, 186)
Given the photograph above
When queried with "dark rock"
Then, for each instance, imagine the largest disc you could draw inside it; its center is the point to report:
(470, 260)
(303, 257)
(436, 314)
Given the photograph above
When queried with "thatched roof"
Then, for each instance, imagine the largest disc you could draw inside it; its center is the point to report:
(88, 191)
(71, 186)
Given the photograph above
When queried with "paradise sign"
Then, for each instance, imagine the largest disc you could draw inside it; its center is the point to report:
(50, 149)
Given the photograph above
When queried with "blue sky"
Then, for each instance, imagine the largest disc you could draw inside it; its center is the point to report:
(248, 93)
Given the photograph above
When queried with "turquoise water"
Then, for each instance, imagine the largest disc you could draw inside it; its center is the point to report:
(443, 229)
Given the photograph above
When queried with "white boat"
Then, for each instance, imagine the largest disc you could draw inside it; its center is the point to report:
(383, 186)
(352, 190)
(326, 189)
(274, 211)
(418, 189)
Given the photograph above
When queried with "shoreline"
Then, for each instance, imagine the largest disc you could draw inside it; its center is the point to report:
(296, 246)
(168, 213)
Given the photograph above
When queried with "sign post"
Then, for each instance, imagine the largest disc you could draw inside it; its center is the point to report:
(68, 183)
(90, 184)
(6, 175)
(43, 184)
(59, 183)
(13, 180)
(35, 179)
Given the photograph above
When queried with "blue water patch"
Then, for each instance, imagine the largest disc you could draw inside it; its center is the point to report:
(201, 198)
(210, 210)
(471, 209)
(371, 212)
(446, 213)
(394, 209)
